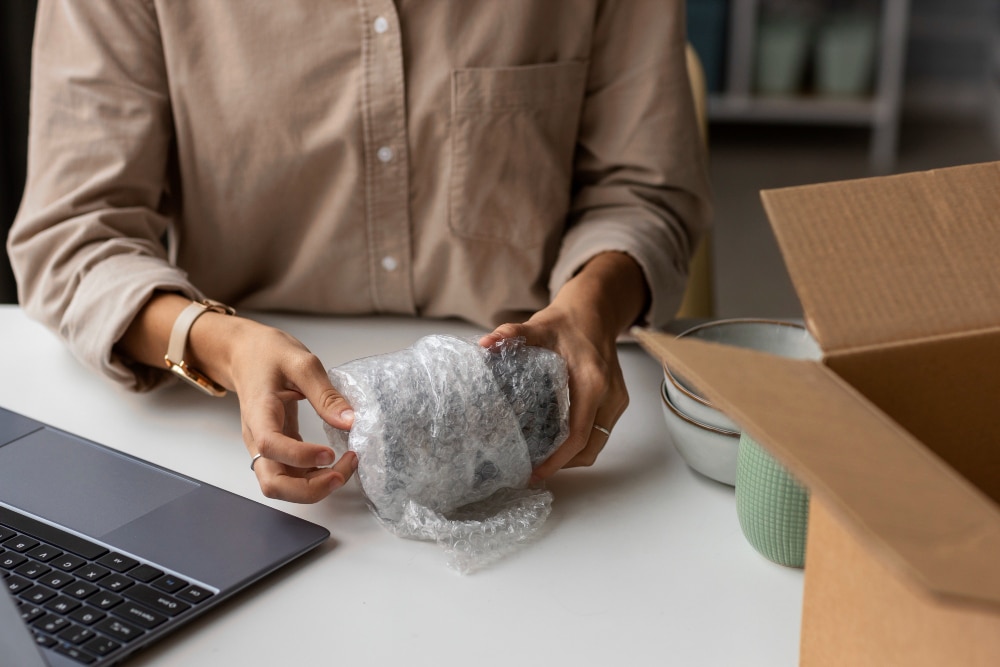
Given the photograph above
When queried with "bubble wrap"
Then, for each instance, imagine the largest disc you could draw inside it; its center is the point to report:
(447, 433)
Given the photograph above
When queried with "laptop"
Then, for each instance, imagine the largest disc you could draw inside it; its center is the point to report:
(102, 553)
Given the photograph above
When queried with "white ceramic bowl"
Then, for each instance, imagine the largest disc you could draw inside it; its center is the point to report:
(705, 448)
(786, 339)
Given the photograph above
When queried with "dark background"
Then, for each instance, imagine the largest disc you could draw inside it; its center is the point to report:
(17, 21)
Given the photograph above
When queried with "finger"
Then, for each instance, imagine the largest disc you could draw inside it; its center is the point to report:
(575, 443)
(346, 465)
(613, 407)
(313, 382)
(277, 446)
(303, 486)
(582, 411)
(595, 443)
(509, 330)
(608, 406)
(263, 425)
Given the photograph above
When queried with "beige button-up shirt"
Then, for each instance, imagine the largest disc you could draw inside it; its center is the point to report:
(443, 158)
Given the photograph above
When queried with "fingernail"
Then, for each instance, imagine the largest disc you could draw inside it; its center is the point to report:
(325, 458)
(354, 463)
(347, 415)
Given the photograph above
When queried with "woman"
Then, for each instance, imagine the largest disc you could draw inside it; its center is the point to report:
(534, 168)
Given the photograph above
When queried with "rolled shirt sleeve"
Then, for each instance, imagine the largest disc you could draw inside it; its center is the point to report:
(88, 244)
(640, 183)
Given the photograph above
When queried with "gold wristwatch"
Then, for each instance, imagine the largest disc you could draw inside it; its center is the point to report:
(178, 344)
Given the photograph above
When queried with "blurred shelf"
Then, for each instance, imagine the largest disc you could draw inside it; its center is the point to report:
(794, 110)
(737, 100)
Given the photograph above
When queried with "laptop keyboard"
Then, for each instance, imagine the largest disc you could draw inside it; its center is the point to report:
(81, 599)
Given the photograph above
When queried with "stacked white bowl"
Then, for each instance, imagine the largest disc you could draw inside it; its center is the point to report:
(706, 438)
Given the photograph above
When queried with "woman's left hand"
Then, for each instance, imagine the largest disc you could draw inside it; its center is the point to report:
(582, 325)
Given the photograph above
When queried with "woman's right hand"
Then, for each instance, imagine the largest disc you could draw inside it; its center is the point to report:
(270, 371)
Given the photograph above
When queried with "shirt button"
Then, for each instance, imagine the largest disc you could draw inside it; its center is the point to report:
(381, 25)
(389, 263)
(385, 154)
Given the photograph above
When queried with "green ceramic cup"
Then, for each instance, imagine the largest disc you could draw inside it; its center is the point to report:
(846, 54)
(783, 44)
(773, 508)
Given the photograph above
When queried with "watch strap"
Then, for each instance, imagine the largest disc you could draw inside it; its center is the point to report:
(177, 345)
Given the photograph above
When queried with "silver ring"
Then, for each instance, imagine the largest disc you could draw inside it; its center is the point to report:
(253, 461)
(602, 430)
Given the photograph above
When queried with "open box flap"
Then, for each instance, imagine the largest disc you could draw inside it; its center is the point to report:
(918, 514)
(893, 258)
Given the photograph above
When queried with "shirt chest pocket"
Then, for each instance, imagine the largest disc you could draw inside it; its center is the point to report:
(513, 134)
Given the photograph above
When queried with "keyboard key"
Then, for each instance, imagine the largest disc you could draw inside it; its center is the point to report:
(44, 553)
(55, 579)
(62, 605)
(170, 583)
(104, 600)
(115, 582)
(20, 543)
(195, 594)
(118, 629)
(75, 653)
(68, 562)
(44, 640)
(30, 612)
(55, 536)
(11, 559)
(37, 595)
(16, 584)
(6, 533)
(74, 634)
(91, 572)
(86, 615)
(80, 589)
(31, 569)
(50, 623)
(145, 573)
(117, 562)
(101, 646)
(156, 600)
(141, 616)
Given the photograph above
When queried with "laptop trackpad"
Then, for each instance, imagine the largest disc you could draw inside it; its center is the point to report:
(80, 485)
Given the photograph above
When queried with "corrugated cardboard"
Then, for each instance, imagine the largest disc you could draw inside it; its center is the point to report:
(896, 432)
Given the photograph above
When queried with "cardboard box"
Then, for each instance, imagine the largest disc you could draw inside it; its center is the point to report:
(896, 432)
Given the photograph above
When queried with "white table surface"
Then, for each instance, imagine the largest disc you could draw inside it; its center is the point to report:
(642, 563)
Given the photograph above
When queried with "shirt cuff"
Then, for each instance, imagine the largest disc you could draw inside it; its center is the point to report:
(663, 260)
(106, 302)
